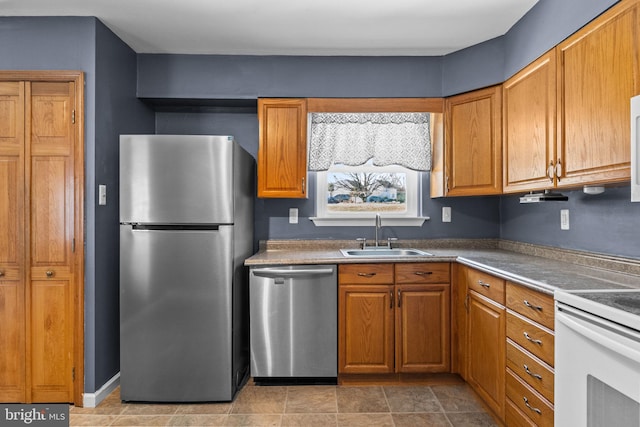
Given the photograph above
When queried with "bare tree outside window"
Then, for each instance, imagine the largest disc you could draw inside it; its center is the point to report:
(366, 191)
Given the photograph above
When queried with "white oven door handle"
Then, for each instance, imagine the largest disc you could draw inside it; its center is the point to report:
(603, 337)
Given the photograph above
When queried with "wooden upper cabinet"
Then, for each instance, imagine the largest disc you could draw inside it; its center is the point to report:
(282, 152)
(473, 146)
(529, 119)
(597, 75)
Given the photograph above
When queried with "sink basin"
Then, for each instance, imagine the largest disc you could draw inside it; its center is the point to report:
(383, 252)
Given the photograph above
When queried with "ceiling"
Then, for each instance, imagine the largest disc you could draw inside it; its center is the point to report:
(291, 27)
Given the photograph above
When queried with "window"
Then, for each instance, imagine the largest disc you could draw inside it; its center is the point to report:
(353, 195)
(367, 164)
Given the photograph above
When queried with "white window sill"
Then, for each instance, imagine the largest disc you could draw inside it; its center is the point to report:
(366, 222)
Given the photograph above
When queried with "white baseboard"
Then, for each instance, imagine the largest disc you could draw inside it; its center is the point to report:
(91, 400)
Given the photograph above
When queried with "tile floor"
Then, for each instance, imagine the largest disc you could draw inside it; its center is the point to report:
(308, 406)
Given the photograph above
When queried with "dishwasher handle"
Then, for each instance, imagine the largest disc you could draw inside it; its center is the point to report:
(272, 273)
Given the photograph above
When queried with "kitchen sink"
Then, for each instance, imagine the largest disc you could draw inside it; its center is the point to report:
(383, 252)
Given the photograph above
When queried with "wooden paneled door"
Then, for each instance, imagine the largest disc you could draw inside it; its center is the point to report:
(12, 244)
(41, 266)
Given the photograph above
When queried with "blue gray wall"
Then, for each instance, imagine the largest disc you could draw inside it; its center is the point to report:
(607, 223)
(64, 44)
(249, 77)
(118, 111)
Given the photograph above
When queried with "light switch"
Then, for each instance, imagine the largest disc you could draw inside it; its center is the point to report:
(102, 194)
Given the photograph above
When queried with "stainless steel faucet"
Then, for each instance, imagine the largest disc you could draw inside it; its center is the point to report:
(378, 226)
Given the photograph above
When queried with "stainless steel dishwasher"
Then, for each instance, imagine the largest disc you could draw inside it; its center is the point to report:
(294, 325)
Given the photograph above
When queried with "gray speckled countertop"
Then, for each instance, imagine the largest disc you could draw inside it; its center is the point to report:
(544, 273)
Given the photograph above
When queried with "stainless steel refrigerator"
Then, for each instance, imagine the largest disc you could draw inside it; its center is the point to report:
(186, 227)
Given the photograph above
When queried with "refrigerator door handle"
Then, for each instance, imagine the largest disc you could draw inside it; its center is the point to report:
(176, 227)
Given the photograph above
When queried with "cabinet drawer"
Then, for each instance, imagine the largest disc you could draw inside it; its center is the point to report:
(530, 303)
(514, 417)
(423, 272)
(532, 371)
(366, 273)
(486, 284)
(530, 403)
(531, 337)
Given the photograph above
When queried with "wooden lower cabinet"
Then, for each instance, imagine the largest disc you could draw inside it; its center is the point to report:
(422, 328)
(532, 406)
(530, 357)
(388, 327)
(485, 350)
(366, 343)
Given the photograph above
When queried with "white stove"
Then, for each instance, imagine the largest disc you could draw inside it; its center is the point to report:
(597, 358)
(621, 306)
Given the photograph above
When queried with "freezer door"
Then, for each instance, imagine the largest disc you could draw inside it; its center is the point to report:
(175, 314)
(176, 179)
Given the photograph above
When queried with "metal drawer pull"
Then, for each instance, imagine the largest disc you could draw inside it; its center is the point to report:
(366, 274)
(483, 284)
(423, 273)
(390, 299)
(537, 376)
(526, 335)
(535, 307)
(399, 299)
(1, 273)
(49, 273)
(536, 410)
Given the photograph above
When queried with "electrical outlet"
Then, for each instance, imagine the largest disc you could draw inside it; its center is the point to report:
(446, 214)
(564, 219)
(293, 215)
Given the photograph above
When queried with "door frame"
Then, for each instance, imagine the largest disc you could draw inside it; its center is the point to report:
(77, 77)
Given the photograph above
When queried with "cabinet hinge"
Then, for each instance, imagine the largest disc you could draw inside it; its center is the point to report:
(73, 117)
(73, 244)
(73, 374)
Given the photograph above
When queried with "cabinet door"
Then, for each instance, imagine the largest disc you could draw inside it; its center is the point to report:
(12, 270)
(282, 151)
(598, 74)
(486, 350)
(529, 116)
(365, 334)
(422, 328)
(473, 159)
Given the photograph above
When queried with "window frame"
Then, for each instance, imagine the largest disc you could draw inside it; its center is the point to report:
(411, 217)
(357, 105)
